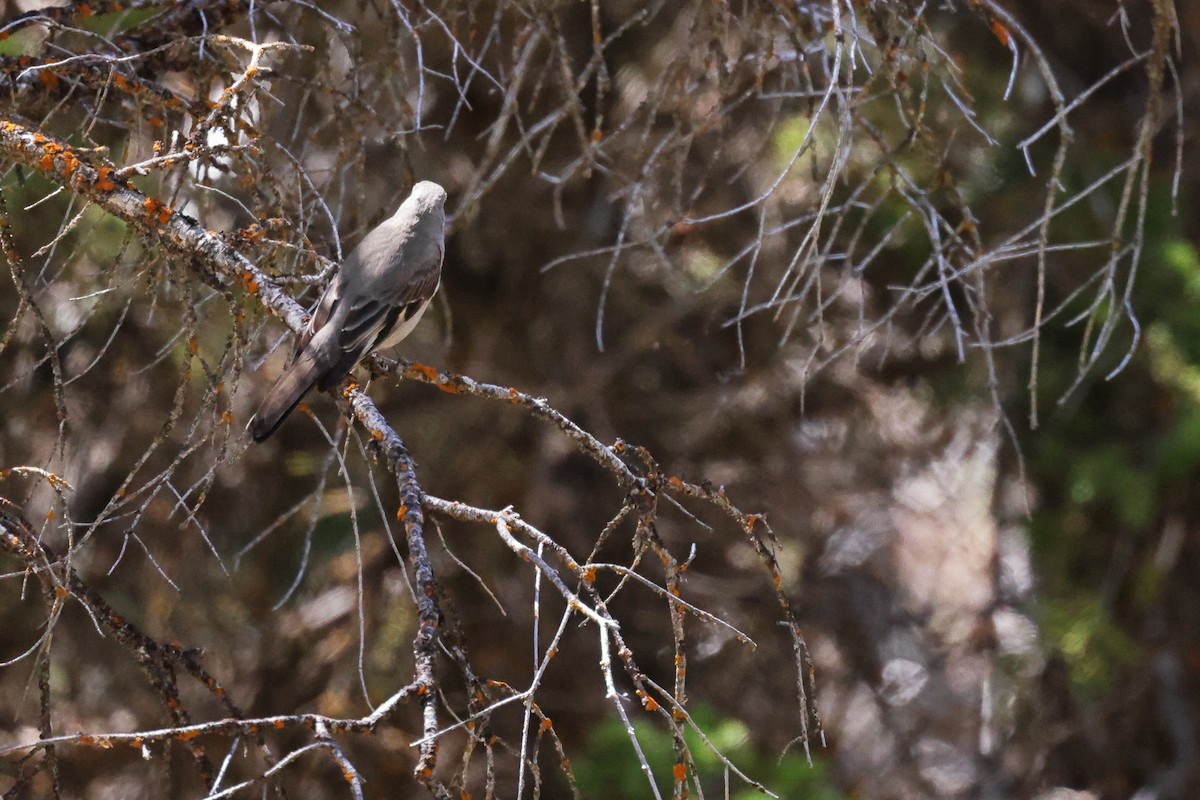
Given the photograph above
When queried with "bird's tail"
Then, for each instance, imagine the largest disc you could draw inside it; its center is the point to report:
(284, 396)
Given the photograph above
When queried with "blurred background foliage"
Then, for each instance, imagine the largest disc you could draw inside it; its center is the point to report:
(994, 609)
(609, 768)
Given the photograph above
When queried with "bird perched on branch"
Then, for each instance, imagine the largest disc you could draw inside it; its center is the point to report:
(376, 299)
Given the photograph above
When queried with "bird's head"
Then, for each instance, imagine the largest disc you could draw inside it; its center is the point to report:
(427, 196)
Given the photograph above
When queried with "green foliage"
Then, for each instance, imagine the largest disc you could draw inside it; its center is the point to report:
(1107, 474)
(22, 42)
(1094, 647)
(1112, 465)
(610, 769)
(27, 39)
(116, 22)
(787, 138)
(1180, 255)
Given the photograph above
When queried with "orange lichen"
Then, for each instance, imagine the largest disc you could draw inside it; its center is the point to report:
(680, 772)
(103, 182)
(70, 163)
(425, 371)
(1000, 32)
(682, 227)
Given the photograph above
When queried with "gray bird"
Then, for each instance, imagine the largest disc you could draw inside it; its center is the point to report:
(376, 299)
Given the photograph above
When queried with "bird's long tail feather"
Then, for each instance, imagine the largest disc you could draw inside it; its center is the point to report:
(284, 396)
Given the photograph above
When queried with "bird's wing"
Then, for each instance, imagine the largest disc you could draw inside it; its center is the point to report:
(320, 315)
(424, 279)
(370, 320)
